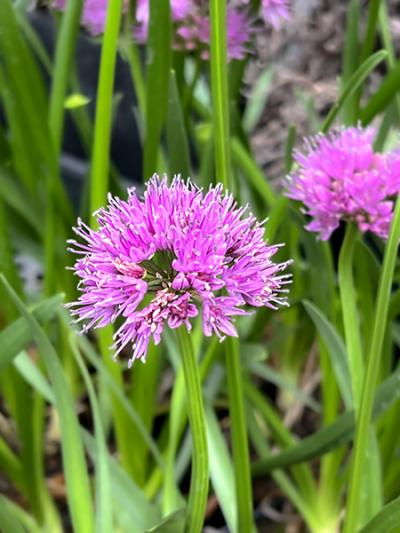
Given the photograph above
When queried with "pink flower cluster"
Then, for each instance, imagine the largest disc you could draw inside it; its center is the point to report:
(162, 259)
(191, 20)
(341, 177)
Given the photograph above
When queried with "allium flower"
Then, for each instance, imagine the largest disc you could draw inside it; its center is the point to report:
(165, 258)
(340, 177)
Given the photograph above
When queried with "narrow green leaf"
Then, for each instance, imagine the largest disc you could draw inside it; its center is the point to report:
(351, 56)
(177, 141)
(14, 195)
(257, 99)
(385, 93)
(246, 163)
(173, 523)
(272, 376)
(32, 375)
(336, 350)
(332, 436)
(221, 470)
(74, 464)
(15, 337)
(290, 142)
(353, 84)
(67, 38)
(158, 69)
(386, 521)
(9, 522)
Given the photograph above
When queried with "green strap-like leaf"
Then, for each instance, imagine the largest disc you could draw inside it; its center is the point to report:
(386, 521)
(178, 147)
(15, 337)
(336, 350)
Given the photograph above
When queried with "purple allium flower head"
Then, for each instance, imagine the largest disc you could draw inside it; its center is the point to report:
(340, 177)
(162, 259)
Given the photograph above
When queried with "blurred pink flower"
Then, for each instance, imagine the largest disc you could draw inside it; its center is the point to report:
(340, 177)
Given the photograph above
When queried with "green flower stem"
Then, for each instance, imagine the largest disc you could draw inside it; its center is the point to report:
(199, 479)
(350, 315)
(374, 357)
(220, 98)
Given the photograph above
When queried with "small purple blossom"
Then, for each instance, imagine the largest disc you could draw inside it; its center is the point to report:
(164, 258)
(340, 177)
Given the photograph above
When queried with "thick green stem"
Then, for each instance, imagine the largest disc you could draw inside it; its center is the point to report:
(220, 98)
(199, 479)
(374, 357)
(349, 310)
